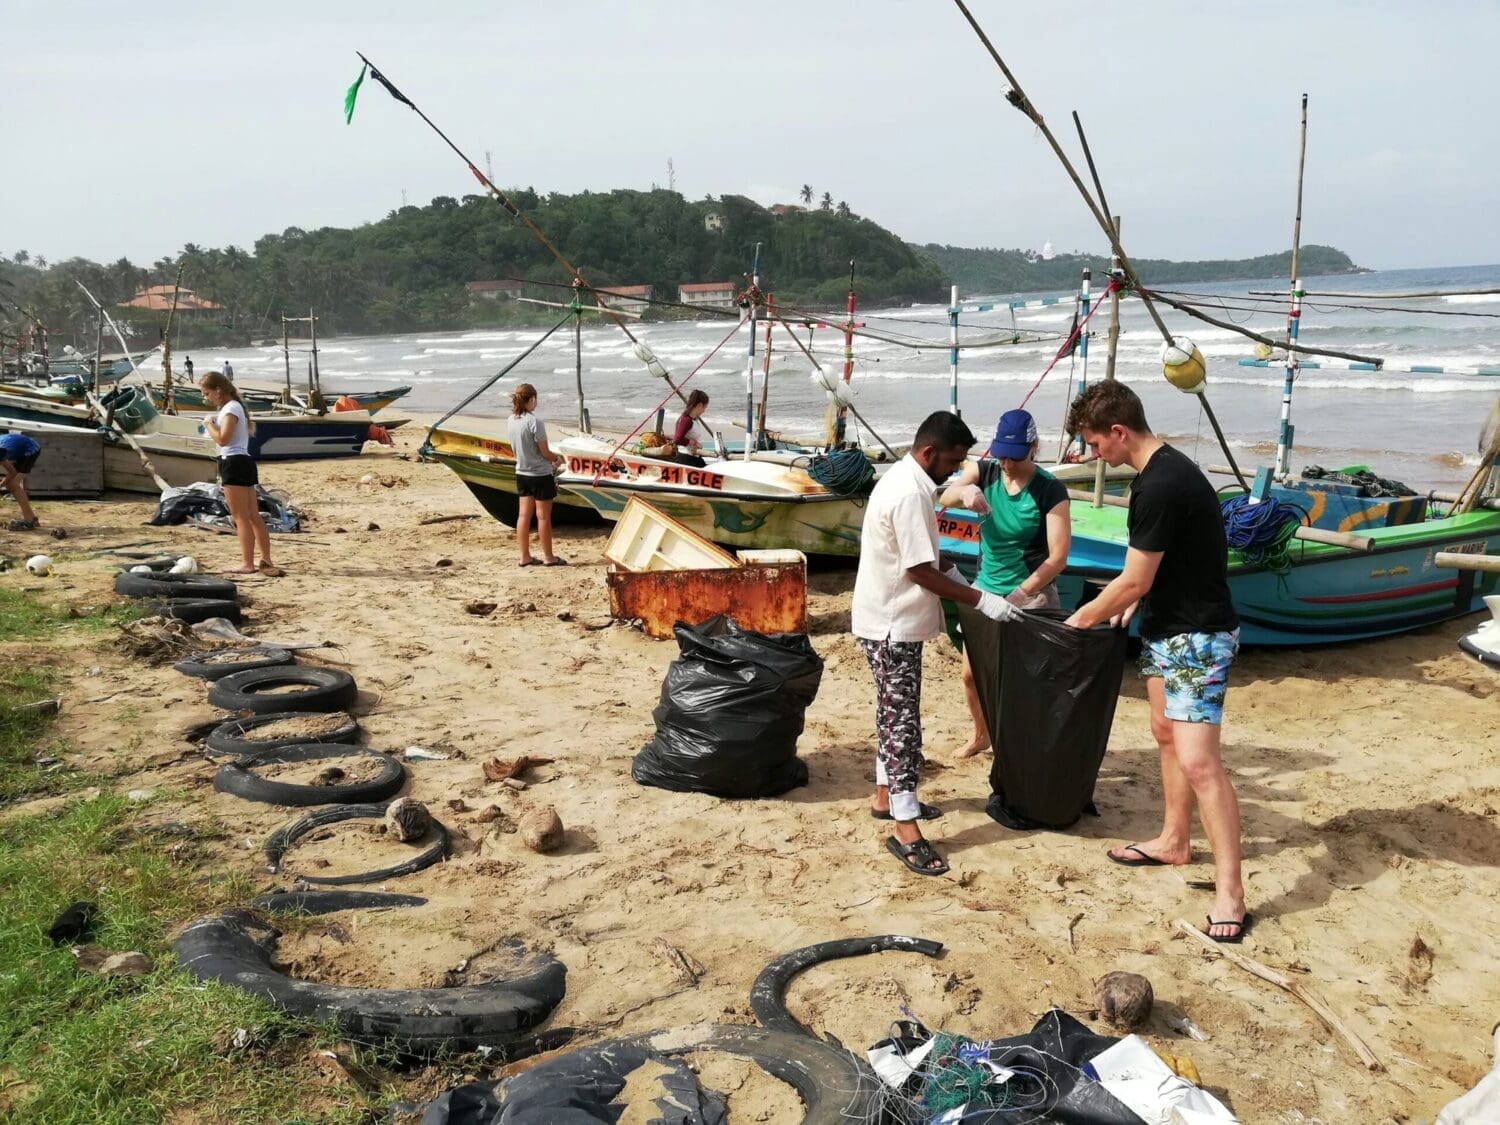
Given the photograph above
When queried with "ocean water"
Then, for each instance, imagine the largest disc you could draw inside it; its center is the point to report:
(1421, 429)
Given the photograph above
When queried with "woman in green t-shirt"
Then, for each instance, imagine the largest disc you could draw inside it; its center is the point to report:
(1024, 532)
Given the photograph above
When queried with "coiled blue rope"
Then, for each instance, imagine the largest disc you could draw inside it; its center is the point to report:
(845, 472)
(1262, 533)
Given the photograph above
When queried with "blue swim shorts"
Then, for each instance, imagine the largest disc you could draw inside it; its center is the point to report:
(1195, 667)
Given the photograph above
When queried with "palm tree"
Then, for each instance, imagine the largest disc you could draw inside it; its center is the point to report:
(843, 210)
(826, 204)
(807, 194)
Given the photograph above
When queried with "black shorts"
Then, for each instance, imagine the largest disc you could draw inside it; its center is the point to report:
(238, 469)
(23, 464)
(538, 488)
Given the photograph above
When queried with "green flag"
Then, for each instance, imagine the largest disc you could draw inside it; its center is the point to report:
(352, 94)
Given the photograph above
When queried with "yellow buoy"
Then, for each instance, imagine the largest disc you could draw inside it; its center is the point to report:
(1182, 363)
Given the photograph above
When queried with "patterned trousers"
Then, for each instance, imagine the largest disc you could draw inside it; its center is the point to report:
(897, 667)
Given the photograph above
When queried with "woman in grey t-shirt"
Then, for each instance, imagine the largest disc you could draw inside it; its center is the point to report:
(536, 482)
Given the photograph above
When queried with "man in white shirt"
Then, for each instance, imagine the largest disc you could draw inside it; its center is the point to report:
(897, 606)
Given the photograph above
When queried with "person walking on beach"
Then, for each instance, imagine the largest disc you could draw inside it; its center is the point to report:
(536, 480)
(1024, 533)
(230, 430)
(896, 608)
(18, 453)
(1176, 570)
(689, 450)
(228, 371)
(187, 365)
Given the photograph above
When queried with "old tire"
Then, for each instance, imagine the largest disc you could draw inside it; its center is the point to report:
(580, 1085)
(239, 780)
(327, 902)
(174, 586)
(283, 838)
(202, 665)
(766, 994)
(236, 948)
(232, 739)
(194, 610)
(321, 689)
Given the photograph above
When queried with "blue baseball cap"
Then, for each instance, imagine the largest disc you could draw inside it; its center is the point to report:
(1014, 435)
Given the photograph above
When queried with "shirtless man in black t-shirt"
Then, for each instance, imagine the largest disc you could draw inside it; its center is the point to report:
(1176, 571)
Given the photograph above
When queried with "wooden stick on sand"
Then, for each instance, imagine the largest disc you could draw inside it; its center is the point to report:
(1296, 988)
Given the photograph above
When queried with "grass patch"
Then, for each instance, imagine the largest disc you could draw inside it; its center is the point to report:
(21, 731)
(25, 617)
(75, 1047)
(79, 1048)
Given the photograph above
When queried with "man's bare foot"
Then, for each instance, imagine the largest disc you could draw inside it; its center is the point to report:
(1165, 854)
(976, 745)
(239, 570)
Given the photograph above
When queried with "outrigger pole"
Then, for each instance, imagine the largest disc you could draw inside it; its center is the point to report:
(1017, 97)
(642, 352)
(1083, 366)
(841, 408)
(754, 297)
(1293, 317)
(953, 352)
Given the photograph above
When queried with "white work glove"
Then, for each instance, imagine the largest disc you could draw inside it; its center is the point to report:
(954, 573)
(971, 496)
(1022, 600)
(997, 608)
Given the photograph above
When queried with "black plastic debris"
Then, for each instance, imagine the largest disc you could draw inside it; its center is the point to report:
(731, 711)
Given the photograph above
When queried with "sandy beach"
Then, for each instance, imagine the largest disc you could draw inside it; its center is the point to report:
(1369, 777)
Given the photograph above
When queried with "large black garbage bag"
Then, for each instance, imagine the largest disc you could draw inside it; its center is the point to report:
(731, 710)
(1048, 694)
(203, 502)
(1050, 1081)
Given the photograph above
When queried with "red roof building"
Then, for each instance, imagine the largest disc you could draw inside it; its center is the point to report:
(158, 298)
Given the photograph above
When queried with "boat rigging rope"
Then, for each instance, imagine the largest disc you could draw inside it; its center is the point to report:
(675, 391)
(426, 448)
(1262, 532)
(846, 472)
(1071, 341)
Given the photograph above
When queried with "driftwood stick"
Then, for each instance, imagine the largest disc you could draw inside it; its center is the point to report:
(1296, 988)
(447, 519)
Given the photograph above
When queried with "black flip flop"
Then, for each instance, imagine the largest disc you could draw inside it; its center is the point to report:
(924, 812)
(1244, 925)
(916, 856)
(556, 562)
(1145, 860)
(529, 562)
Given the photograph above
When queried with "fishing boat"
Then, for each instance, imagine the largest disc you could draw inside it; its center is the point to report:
(770, 499)
(1337, 562)
(1385, 581)
(84, 460)
(187, 399)
(278, 436)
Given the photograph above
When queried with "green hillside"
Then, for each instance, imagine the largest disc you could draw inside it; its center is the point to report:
(408, 271)
(987, 270)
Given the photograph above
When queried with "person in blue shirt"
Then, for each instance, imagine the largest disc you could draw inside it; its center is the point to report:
(1024, 533)
(18, 453)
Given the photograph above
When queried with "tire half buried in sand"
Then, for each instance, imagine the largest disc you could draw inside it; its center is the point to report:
(241, 737)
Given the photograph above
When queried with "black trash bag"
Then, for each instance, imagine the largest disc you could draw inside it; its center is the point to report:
(203, 502)
(471, 1104)
(579, 1087)
(731, 710)
(1050, 1080)
(1048, 694)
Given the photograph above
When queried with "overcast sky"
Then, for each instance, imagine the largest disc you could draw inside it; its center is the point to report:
(132, 129)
